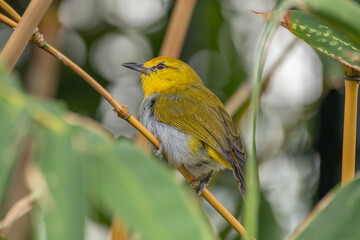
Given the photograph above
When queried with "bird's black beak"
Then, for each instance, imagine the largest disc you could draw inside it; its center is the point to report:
(137, 67)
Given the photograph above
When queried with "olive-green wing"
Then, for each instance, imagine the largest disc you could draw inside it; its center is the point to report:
(199, 113)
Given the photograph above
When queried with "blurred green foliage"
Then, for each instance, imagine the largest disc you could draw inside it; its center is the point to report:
(83, 166)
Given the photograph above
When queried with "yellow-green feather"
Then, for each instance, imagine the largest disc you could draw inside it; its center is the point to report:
(175, 78)
(199, 113)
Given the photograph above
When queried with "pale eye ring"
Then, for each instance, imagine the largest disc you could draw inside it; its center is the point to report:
(161, 66)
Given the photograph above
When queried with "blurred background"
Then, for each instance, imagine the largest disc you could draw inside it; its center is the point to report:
(299, 138)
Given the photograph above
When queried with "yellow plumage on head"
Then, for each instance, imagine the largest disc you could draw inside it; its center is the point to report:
(176, 77)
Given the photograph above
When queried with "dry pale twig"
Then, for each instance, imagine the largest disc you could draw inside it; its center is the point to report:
(19, 209)
(37, 185)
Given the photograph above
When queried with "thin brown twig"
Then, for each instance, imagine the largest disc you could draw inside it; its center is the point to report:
(9, 10)
(123, 112)
(7, 21)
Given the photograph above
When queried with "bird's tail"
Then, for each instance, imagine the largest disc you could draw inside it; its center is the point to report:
(239, 178)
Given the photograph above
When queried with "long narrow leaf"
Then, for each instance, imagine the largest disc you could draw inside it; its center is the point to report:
(13, 129)
(323, 37)
(343, 14)
(64, 206)
(335, 217)
(252, 207)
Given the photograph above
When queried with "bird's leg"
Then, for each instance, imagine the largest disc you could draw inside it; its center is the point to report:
(205, 182)
(159, 151)
(200, 185)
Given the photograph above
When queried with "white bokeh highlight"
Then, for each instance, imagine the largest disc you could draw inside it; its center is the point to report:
(134, 13)
(79, 14)
(297, 82)
(114, 49)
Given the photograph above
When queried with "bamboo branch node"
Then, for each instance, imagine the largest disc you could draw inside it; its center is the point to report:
(353, 78)
(38, 39)
(122, 111)
(126, 116)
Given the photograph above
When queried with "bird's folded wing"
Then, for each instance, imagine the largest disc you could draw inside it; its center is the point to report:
(199, 113)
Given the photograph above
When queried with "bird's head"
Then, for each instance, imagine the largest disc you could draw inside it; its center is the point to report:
(165, 75)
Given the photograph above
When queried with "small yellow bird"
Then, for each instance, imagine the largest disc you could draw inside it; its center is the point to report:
(189, 120)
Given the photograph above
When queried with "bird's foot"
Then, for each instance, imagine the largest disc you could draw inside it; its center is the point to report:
(200, 185)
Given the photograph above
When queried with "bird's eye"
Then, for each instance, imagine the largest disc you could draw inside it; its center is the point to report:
(161, 66)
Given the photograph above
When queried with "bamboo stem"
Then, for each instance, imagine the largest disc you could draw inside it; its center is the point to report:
(43, 71)
(350, 117)
(20, 37)
(123, 112)
(177, 28)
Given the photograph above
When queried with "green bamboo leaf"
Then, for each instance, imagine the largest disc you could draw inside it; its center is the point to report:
(323, 37)
(335, 217)
(12, 132)
(143, 192)
(64, 208)
(13, 129)
(269, 227)
(64, 215)
(343, 14)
